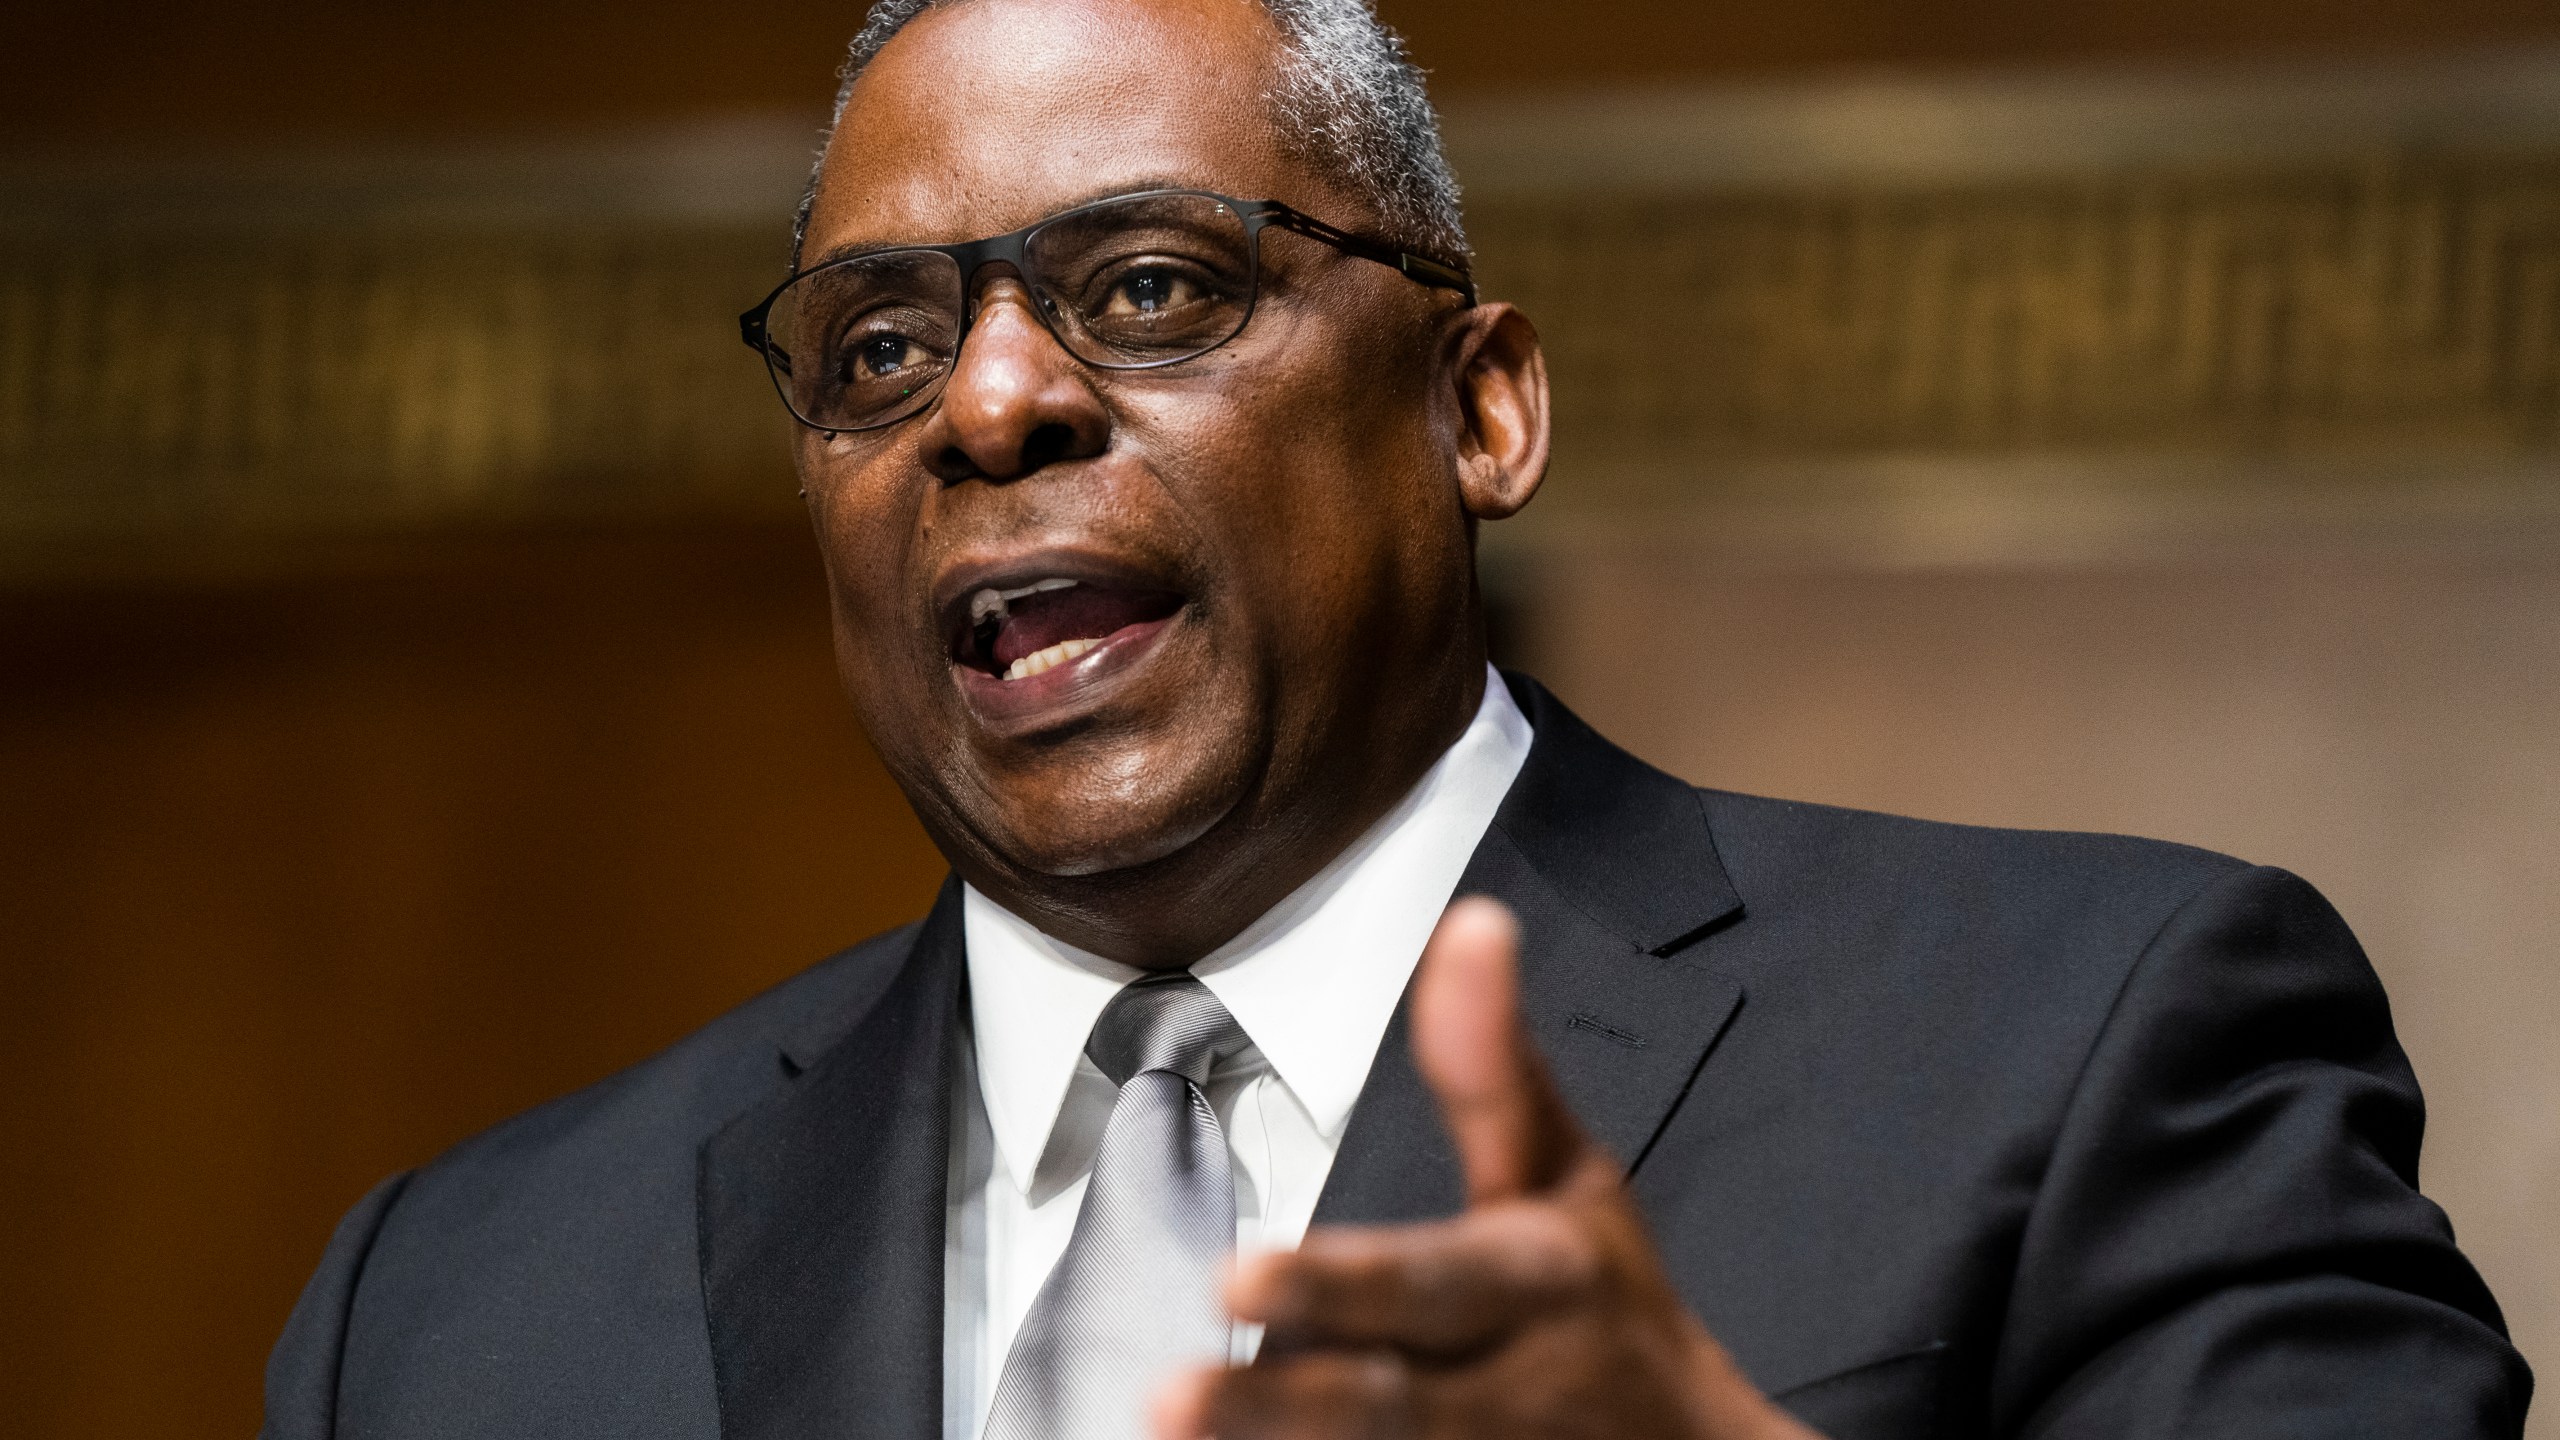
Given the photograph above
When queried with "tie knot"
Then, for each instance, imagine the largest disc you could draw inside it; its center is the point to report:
(1163, 1022)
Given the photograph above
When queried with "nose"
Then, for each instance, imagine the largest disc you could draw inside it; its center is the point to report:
(1015, 400)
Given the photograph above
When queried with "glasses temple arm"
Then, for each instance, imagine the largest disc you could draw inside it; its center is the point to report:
(1420, 268)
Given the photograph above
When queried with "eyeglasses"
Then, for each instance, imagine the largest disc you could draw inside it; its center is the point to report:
(1134, 282)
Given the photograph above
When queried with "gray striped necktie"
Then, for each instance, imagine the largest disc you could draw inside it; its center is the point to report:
(1135, 1296)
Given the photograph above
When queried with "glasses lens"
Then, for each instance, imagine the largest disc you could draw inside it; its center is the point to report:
(1146, 280)
(867, 341)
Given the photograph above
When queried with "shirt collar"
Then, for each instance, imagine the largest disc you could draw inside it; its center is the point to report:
(1313, 982)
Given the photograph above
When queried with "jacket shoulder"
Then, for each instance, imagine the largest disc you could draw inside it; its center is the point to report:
(2042, 886)
(609, 1170)
(1987, 959)
(547, 1267)
(694, 1086)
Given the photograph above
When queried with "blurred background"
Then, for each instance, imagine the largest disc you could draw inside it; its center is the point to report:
(414, 688)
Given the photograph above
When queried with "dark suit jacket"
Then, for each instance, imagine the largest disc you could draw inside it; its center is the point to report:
(1944, 1131)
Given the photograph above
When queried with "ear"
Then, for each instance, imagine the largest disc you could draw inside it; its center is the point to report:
(1500, 374)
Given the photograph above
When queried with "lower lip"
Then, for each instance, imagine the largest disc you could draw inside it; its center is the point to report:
(1065, 693)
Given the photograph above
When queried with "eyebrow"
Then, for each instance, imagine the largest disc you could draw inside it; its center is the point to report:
(1114, 189)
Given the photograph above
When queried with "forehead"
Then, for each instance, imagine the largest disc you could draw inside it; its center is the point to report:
(985, 115)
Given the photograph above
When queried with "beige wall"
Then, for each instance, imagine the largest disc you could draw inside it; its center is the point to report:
(2383, 720)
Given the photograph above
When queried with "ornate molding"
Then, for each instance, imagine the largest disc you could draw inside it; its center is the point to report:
(2351, 264)
(2404, 302)
(361, 378)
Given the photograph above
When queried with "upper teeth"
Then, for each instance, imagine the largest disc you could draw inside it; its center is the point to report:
(993, 604)
(1049, 659)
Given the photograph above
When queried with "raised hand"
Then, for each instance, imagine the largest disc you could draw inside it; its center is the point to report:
(1541, 1311)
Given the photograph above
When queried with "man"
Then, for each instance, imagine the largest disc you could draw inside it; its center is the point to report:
(1149, 529)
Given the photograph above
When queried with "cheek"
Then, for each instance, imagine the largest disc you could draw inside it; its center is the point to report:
(1287, 449)
(870, 538)
(1327, 524)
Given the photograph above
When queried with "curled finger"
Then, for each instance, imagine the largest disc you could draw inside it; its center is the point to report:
(1437, 1291)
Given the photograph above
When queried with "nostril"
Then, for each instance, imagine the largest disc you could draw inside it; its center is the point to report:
(1043, 446)
(951, 465)
(1047, 445)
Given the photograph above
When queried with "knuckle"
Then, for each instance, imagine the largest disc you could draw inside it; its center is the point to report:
(1549, 1250)
(1341, 1396)
(1382, 1394)
(1579, 1261)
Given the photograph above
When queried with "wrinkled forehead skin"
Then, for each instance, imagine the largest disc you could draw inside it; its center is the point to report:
(983, 116)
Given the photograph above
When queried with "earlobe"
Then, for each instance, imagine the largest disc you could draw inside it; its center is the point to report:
(1501, 380)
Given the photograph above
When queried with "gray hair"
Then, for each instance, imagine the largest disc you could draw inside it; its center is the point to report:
(1348, 100)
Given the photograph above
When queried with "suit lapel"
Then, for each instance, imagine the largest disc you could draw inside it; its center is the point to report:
(1609, 865)
(821, 1218)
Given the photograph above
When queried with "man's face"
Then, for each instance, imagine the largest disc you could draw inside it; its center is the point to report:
(1272, 598)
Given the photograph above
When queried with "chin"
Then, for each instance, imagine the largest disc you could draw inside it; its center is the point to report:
(1086, 810)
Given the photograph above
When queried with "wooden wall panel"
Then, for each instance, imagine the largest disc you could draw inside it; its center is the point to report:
(302, 881)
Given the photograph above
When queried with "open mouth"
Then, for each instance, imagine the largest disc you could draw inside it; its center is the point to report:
(1019, 632)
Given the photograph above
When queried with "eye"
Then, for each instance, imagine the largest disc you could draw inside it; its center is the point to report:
(1151, 290)
(875, 356)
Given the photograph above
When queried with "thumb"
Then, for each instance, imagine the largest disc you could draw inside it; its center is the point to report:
(1514, 1134)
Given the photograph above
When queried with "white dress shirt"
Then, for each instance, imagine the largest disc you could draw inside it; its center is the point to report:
(1313, 983)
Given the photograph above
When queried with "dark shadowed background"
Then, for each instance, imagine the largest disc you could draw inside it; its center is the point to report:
(415, 697)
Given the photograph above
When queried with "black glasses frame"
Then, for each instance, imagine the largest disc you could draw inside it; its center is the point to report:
(974, 255)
